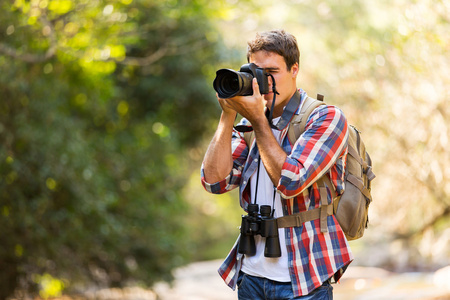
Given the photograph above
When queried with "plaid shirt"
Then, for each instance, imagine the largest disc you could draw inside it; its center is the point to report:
(313, 256)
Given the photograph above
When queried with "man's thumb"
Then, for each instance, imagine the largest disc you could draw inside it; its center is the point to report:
(255, 87)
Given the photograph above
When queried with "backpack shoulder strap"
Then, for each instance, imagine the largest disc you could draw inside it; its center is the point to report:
(298, 123)
(248, 137)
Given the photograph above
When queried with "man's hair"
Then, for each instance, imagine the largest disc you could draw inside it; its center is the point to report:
(276, 41)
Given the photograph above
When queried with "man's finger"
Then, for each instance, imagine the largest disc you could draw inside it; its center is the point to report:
(256, 87)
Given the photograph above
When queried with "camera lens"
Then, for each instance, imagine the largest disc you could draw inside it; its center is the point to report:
(229, 83)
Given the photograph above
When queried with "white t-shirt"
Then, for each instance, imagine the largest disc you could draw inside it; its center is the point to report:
(258, 265)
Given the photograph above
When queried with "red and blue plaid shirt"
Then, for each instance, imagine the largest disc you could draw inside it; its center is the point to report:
(313, 256)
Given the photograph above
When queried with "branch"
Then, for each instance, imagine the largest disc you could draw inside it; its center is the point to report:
(176, 48)
(34, 58)
(429, 224)
(28, 57)
(145, 61)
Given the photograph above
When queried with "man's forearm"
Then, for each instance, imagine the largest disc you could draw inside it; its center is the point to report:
(218, 160)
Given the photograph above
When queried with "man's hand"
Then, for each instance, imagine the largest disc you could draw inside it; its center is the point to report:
(224, 104)
(250, 107)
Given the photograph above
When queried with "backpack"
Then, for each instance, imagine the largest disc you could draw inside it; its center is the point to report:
(350, 208)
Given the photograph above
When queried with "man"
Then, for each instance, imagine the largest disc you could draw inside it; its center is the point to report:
(286, 179)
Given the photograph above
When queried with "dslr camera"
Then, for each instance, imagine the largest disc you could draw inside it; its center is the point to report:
(263, 224)
(229, 83)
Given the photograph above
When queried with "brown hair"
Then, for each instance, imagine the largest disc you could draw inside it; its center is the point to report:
(276, 41)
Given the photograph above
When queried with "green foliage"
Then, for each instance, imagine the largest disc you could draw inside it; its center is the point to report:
(100, 99)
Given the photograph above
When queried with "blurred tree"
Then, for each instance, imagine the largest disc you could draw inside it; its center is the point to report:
(99, 102)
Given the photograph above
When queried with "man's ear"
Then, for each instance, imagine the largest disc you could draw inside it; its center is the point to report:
(294, 70)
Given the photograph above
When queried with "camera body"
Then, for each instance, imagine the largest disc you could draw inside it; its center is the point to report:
(263, 224)
(229, 83)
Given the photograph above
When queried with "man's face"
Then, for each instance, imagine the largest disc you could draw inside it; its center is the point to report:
(285, 80)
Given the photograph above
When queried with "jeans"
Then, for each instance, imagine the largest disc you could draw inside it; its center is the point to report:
(257, 288)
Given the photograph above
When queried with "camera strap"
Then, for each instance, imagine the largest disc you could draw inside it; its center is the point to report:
(257, 179)
(274, 90)
(288, 112)
(257, 185)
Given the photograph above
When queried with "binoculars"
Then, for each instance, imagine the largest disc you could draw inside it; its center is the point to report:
(263, 224)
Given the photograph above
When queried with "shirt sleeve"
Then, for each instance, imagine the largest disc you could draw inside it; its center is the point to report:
(240, 152)
(315, 151)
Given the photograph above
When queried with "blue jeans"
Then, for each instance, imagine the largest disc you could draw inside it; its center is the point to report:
(257, 288)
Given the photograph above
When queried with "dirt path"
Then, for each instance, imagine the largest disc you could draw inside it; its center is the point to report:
(200, 281)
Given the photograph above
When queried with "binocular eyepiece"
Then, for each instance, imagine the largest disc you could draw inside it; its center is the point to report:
(229, 83)
(263, 224)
